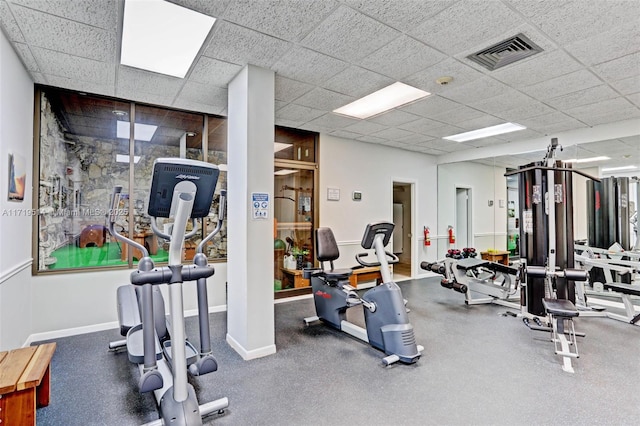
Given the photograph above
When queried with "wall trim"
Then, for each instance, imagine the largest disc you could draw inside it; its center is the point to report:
(490, 234)
(25, 264)
(250, 354)
(56, 334)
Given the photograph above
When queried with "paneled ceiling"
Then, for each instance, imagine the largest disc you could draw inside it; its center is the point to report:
(327, 53)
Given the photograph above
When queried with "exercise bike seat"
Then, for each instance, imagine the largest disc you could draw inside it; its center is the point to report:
(337, 274)
(327, 251)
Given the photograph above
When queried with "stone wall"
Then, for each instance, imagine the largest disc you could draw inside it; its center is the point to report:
(85, 171)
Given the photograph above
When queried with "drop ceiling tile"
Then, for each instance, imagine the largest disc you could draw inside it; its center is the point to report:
(528, 109)
(371, 139)
(214, 96)
(607, 46)
(394, 118)
(632, 141)
(402, 57)
(535, 8)
(332, 121)
(562, 85)
(621, 68)
(345, 134)
(581, 19)
(415, 139)
(545, 119)
(538, 68)
(349, 35)
(148, 98)
(610, 105)
(357, 82)
(583, 97)
(635, 98)
(445, 130)
(288, 123)
(27, 57)
(239, 45)
(98, 13)
(466, 24)
(430, 106)
(611, 116)
(63, 35)
(503, 102)
(81, 86)
(213, 72)
(480, 122)
(268, 16)
(308, 66)
(523, 135)
(482, 88)
(447, 146)
(421, 125)
(479, 143)
(400, 15)
(280, 104)
(366, 127)
(461, 73)
(213, 8)
(199, 107)
(323, 99)
(392, 133)
(137, 80)
(74, 67)
(41, 79)
(287, 90)
(9, 24)
(458, 115)
(563, 126)
(293, 112)
(627, 86)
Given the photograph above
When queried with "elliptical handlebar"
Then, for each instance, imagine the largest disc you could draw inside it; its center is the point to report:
(113, 214)
(221, 215)
(392, 258)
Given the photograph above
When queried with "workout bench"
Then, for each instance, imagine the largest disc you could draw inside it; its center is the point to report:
(625, 290)
(561, 312)
(25, 383)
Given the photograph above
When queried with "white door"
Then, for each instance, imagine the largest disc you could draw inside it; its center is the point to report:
(462, 217)
(398, 231)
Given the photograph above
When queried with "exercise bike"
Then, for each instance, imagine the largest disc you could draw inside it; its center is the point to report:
(181, 189)
(387, 323)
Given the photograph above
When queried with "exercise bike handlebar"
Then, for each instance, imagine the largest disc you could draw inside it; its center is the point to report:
(113, 214)
(221, 215)
(392, 259)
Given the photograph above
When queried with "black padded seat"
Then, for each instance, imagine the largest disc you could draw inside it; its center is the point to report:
(632, 289)
(499, 267)
(470, 263)
(560, 307)
(337, 274)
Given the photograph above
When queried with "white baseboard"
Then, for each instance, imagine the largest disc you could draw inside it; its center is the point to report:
(292, 299)
(56, 334)
(250, 354)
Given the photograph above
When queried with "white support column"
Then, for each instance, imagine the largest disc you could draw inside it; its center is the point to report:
(250, 318)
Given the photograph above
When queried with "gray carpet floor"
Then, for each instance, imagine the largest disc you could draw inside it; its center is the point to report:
(479, 367)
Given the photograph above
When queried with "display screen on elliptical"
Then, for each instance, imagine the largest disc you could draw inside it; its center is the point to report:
(173, 175)
(373, 229)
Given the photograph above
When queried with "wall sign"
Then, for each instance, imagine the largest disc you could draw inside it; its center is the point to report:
(333, 194)
(260, 205)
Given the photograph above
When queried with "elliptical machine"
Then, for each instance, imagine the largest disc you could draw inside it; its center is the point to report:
(181, 189)
(387, 323)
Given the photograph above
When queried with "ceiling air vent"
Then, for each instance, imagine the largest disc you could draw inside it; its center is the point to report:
(506, 52)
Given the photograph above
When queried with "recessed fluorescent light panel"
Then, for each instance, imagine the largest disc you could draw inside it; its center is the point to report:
(617, 169)
(285, 172)
(141, 132)
(486, 132)
(587, 160)
(125, 158)
(383, 100)
(279, 146)
(162, 37)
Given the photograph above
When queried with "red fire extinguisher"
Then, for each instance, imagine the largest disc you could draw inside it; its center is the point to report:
(452, 237)
(427, 240)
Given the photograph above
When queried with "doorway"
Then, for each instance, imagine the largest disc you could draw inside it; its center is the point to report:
(463, 226)
(403, 202)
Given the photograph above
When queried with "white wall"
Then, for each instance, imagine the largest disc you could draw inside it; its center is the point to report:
(16, 124)
(357, 166)
(487, 183)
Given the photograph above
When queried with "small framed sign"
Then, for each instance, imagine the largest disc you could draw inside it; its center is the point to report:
(333, 194)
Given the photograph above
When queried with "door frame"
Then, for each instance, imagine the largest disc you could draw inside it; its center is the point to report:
(413, 212)
(469, 189)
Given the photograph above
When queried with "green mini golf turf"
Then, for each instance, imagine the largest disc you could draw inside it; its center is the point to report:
(72, 256)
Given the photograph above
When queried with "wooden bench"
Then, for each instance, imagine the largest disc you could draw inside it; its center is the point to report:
(25, 383)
